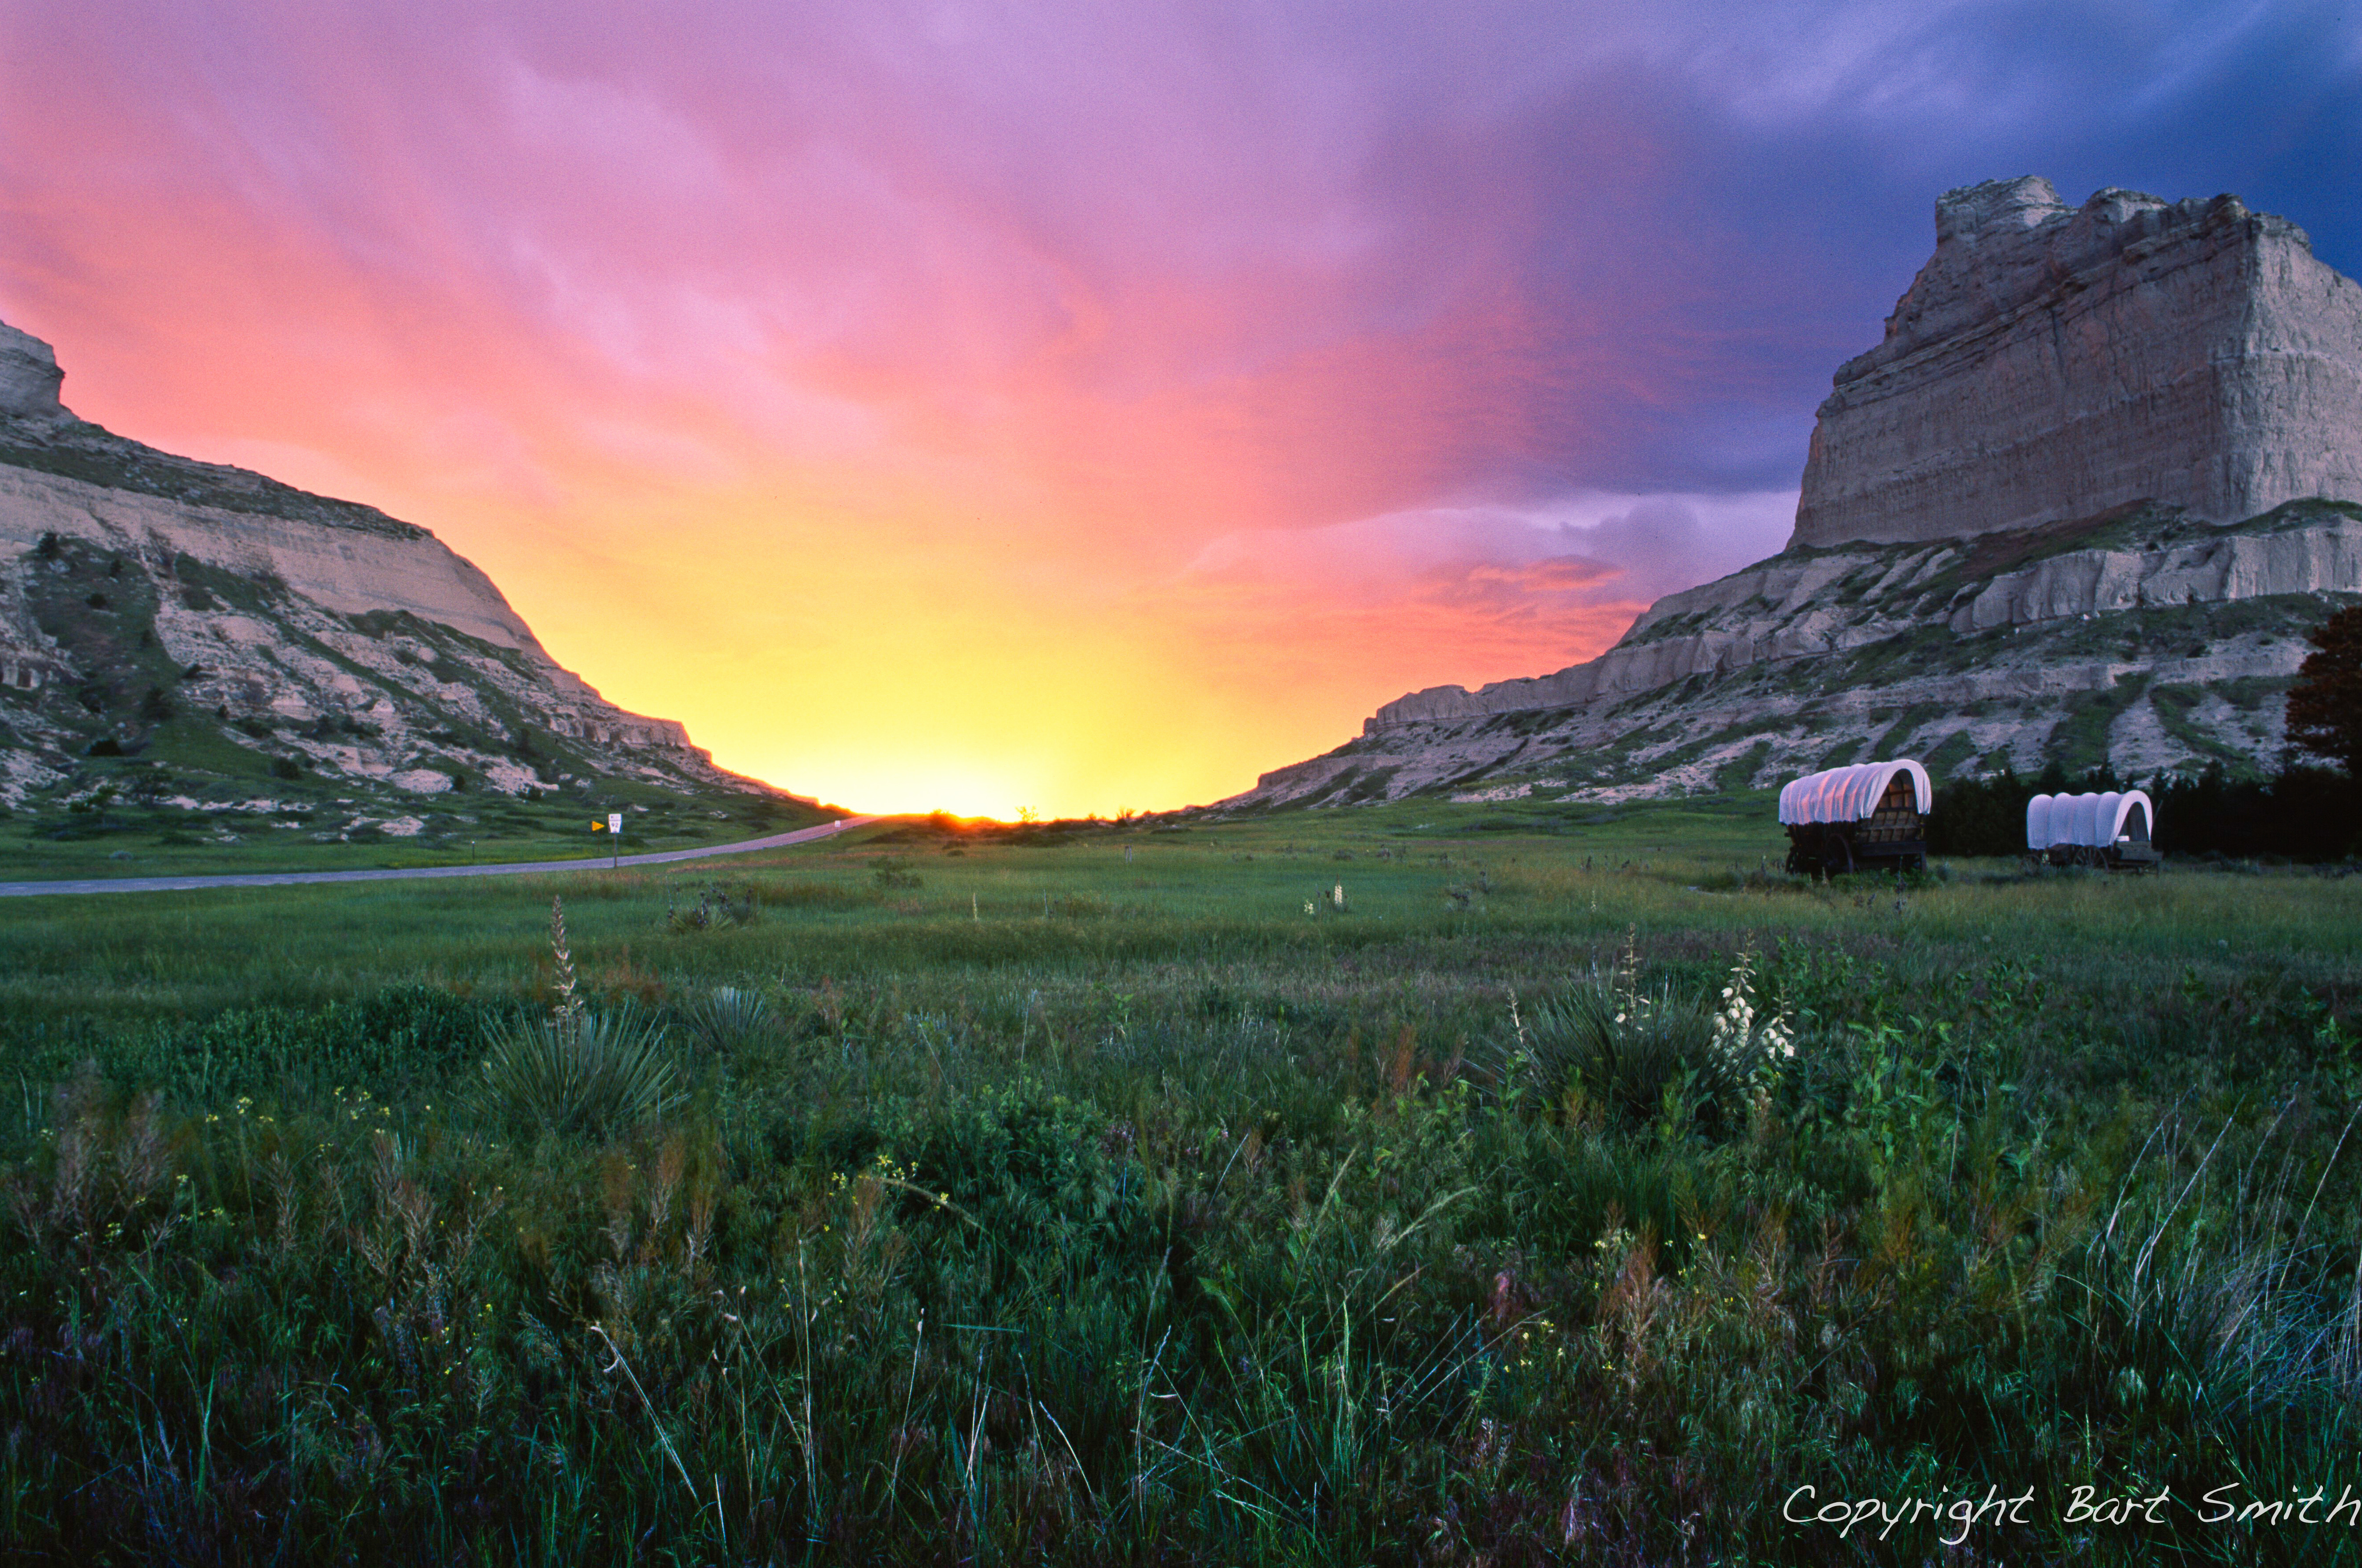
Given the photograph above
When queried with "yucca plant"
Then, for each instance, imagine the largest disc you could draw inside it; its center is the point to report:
(588, 1073)
(730, 1020)
(577, 1071)
(718, 908)
(1623, 1046)
(1623, 1052)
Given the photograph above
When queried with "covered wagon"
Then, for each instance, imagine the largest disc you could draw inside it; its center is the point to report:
(1871, 813)
(2111, 829)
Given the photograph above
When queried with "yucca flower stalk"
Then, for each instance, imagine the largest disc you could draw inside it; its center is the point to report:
(1623, 982)
(577, 1071)
(1747, 1041)
(569, 1004)
(1623, 1045)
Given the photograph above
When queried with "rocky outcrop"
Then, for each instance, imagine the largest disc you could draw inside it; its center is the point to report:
(2081, 504)
(337, 566)
(29, 378)
(2148, 638)
(2051, 362)
(152, 602)
(1805, 603)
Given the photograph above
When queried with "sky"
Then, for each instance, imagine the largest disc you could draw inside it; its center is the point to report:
(1068, 405)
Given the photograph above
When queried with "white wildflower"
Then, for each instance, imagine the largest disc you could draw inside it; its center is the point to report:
(1743, 1040)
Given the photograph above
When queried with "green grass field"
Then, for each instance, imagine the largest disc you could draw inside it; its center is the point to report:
(129, 818)
(1093, 1193)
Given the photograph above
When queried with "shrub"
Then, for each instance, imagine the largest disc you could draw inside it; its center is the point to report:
(717, 907)
(1626, 1048)
(581, 1072)
(1979, 816)
(2305, 813)
(1621, 1051)
(2325, 706)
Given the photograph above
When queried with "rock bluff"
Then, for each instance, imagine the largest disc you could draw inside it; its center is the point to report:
(2082, 502)
(29, 378)
(146, 597)
(2052, 363)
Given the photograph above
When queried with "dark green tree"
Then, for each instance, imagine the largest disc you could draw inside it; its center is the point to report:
(2325, 706)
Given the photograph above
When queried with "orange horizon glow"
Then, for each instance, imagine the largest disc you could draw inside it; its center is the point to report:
(911, 469)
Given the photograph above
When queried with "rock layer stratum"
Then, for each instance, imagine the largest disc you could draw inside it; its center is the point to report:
(2051, 362)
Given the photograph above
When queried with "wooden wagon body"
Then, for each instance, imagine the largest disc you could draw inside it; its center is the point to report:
(1873, 813)
(2111, 831)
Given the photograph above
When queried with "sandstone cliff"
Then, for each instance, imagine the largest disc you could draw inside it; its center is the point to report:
(2147, 637)
(2052, 362)
(2081, 504)
(219, 621)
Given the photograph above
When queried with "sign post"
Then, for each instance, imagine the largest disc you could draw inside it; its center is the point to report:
(615, 841)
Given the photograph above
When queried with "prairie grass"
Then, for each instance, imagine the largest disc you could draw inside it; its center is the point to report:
(1076, 1208)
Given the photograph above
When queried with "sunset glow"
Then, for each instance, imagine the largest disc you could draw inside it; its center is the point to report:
(980, 407)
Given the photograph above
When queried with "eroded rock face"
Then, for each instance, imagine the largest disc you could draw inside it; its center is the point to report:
(2050, 363)
(29, 378)
(2081, 504)
(143, 589)
(346, 569)
(2152, 639)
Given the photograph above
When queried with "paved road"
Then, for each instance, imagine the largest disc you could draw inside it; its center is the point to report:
(509, 868)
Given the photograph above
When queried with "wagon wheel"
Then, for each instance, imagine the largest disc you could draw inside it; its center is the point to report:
(1836, 852)
(1795, 860)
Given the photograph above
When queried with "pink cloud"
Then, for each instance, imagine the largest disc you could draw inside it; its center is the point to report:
(1389, 343)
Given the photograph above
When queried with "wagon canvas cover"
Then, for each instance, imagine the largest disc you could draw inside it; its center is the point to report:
(1851, 794)
(2091, 821)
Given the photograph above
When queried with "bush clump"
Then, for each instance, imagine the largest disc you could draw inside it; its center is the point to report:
(1636, 1050)
(717, 907)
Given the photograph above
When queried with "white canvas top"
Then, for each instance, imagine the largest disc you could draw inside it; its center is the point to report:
(2094, 820)
(1849, 794)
